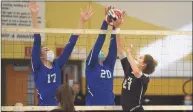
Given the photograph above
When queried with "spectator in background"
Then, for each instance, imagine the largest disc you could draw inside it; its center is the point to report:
(79, 98)
(188, 101)
(18, 104)
(65, 98)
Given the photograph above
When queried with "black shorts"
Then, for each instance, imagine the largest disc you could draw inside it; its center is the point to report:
(133, 109)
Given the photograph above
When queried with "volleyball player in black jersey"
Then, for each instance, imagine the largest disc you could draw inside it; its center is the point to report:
(136, 77)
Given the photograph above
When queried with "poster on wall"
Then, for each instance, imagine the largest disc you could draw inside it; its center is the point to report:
(17, 14)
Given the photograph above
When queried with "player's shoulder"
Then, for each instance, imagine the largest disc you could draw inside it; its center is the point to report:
(93, 66)
(55, 63)
(145, 77)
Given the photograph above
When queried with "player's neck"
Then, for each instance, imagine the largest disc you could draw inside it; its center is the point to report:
(141, 68)
(101, 63)
(47, 63)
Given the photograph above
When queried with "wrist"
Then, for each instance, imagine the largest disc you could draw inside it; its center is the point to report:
(81, 22)
(129, 53)
(34, 13)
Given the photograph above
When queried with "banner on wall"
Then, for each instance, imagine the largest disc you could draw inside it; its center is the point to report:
(17, 14)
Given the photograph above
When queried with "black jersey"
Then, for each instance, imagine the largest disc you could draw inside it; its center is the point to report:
(133, 88)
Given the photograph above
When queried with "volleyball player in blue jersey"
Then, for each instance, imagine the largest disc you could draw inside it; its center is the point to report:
(99, 70)
(46, 70)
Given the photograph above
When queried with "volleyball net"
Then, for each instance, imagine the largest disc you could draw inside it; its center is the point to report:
(172, 50)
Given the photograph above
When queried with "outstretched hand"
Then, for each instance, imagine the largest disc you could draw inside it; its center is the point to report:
(87, 14)
(34, 8)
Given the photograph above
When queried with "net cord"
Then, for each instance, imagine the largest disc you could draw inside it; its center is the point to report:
(83, 108)
(96, 31)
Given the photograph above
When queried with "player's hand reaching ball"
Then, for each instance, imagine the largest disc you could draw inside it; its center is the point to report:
(119, 21)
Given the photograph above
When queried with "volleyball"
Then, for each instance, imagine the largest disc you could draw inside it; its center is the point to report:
(109, 18)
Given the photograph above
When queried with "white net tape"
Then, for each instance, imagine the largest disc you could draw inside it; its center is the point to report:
(97, 31)
(83, 108)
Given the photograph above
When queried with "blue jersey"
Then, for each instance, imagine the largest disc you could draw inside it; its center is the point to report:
(100, 78)
(47, 80)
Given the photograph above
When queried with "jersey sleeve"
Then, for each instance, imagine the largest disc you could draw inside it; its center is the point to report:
(92, 58)
(36, 53)
(112, 55)
(63, 58)
(126, 66)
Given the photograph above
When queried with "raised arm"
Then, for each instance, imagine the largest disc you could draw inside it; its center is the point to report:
(36, 50)
(63, 58)
(92, 58)
(112, 55)
(84, 17)
(122, 56)
(135, 69)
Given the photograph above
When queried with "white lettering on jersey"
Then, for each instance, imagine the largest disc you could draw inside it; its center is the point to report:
(127, 82)
(106, 74)
(52, 78)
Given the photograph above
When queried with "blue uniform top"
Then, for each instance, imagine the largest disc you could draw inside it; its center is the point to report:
(47, 80)
(100, 78)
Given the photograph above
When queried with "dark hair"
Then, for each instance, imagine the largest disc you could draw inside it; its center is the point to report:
(150, 64)
(65, 96)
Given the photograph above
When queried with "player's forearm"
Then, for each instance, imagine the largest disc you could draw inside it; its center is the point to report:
(68, 50)
(37, 40)
(100, 40)
(93, 56)
(73, 39)
(134, 66)
(36, 50)
(104, 25)
(120, 46)
(113, 44)
(112, 55)
(34, 20)
(79, 26)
